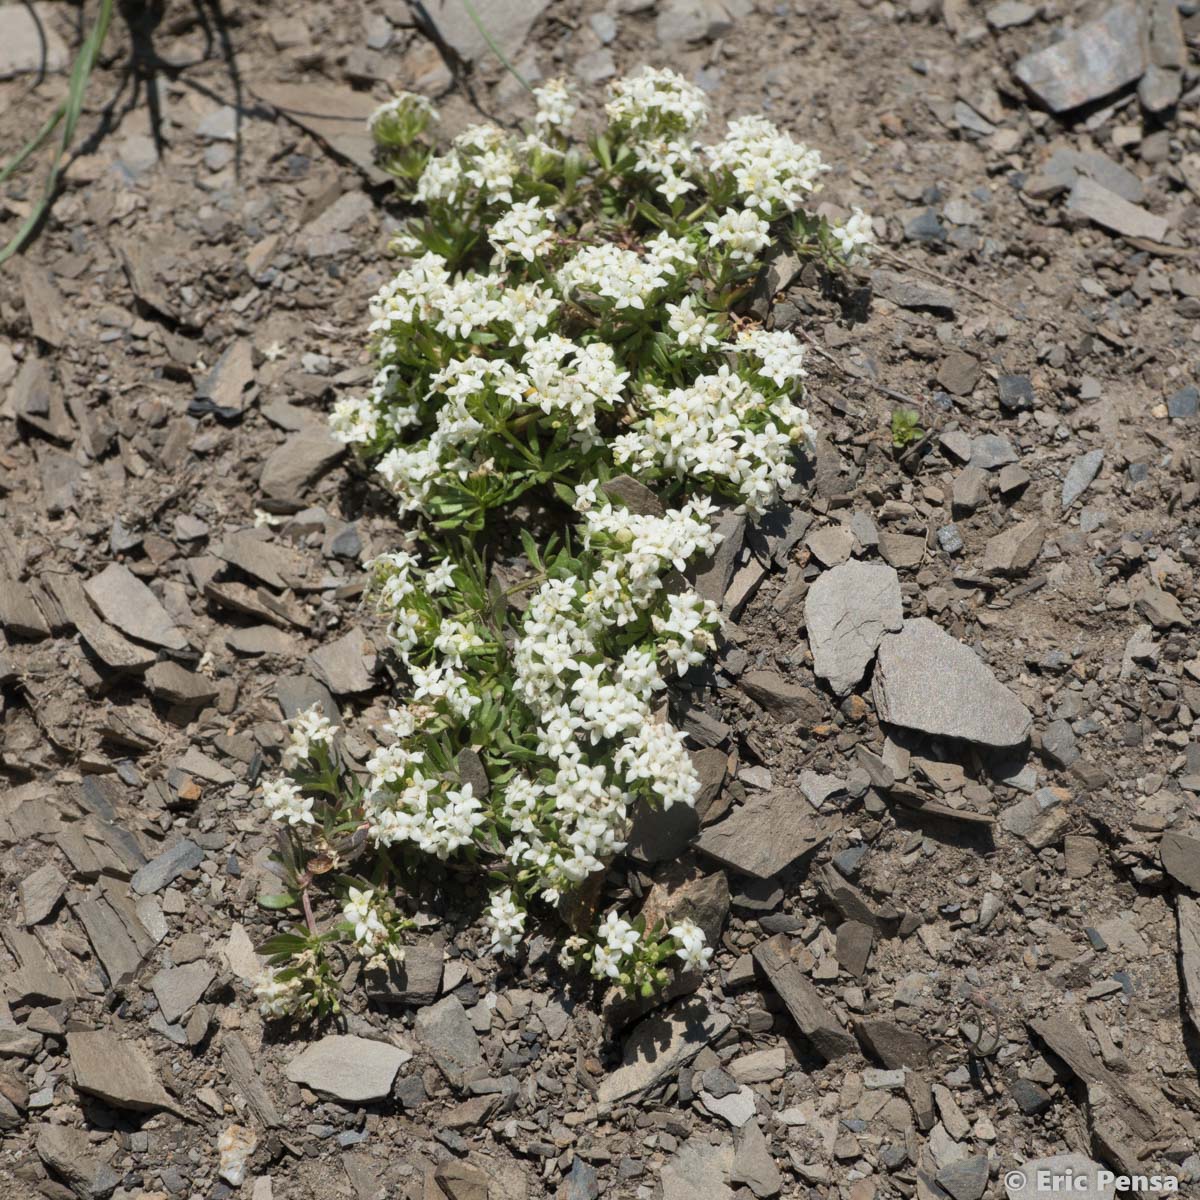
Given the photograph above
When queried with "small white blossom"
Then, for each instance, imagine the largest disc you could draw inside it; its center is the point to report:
(692, 950)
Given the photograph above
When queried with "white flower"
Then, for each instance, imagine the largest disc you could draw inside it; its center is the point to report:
(690, 326)
(692, 950)
(615, 274)
(618, 934)
(771, 172)
(286, 803)
(506, 921)
(360, 911)
(354, 419)
(656, 102)
(780, 353)
(569, 951)
(744, 232)
(586, 495)
(525, 231)
(856, 236)
(309, 728)
(556, 107)
(399, 122)
(439, 578)
(605, 962)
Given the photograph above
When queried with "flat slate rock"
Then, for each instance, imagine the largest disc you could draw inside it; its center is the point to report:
(766, 834)
(928, 681)
(784, 700)
(1080, 475)
(108, 1066)
(659, 1046)
(1096, 60)
(70, 1153)
(1089, 199)
(123, 600)
(178, 989)
(175, 684)
(39, 892)
(184, 856)
(446, 1032)
(415, 982)
(1014, 550)
(354, 1069)
(345, 666)
(892, 1044)
(335, 115)
(1180, 856)
(294, 467)
(30, 43)
(965, 1179)
(847, 611)
(826, 1033)
(508, 22)
(699, 1169)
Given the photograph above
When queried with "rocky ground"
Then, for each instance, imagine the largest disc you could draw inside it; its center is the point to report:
(950, 839)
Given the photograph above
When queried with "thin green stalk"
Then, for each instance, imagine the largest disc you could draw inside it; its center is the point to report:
(67, 114)
(487, 37)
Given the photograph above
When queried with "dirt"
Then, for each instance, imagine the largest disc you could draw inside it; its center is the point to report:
(195, 301)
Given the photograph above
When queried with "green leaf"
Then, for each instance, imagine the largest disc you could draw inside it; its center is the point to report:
(279, 901)
(283, 943)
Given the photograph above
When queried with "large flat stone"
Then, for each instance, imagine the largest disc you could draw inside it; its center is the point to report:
(295, 466)
(357, 1070)
(1187, 912)
(766, 834)
(445, 1030)
(928, 681)
(29, 43)
(508, 23)
(848, 610)
(1180, 856)
(123, 600)
(1096, 60)
(1108, 210)
(116, 1070)
(178, 989)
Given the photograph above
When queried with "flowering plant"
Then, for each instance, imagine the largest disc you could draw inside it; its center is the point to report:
(565, 317)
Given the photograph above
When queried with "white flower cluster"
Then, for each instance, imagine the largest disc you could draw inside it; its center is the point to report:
(692, 948)
(771, 172)
(556, 107)
(506, 921)
(483, 157)
(745, 233)
(855, 237)
(596, 731)
(617, 940)
(660, 112)
(374, 926)
(525, 231)
(720, 427)
(583, 699)
(308, 729)
(278, 997)
(595, 340)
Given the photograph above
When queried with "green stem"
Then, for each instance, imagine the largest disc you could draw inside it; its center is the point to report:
(68, 114)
